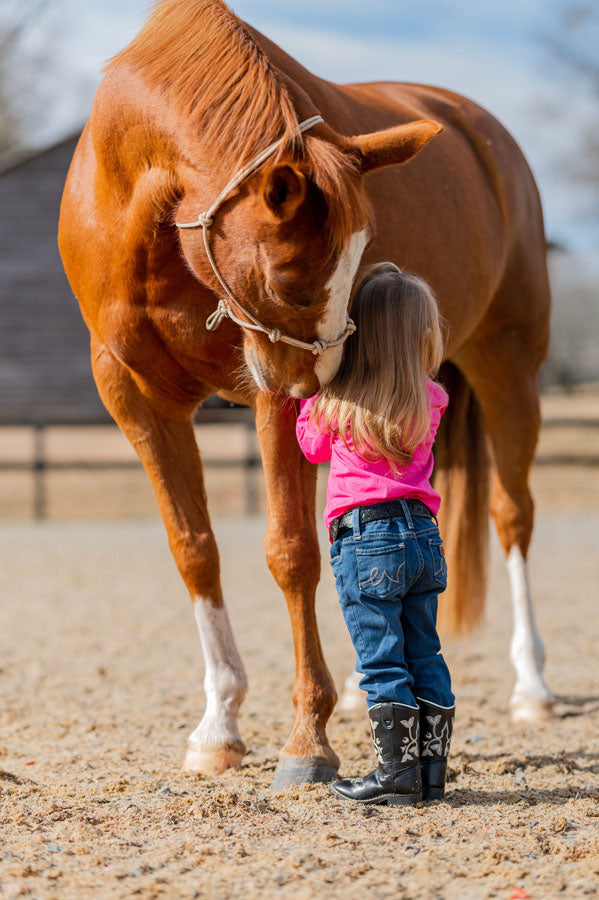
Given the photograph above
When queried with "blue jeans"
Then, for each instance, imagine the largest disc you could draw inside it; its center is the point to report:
(389, 575)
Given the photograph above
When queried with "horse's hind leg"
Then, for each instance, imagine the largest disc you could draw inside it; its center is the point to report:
(166, 445)
(503, 373)
(353, 698)
(293, 557)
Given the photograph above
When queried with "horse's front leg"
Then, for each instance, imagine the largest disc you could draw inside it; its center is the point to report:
(293, 557)
(165, 442)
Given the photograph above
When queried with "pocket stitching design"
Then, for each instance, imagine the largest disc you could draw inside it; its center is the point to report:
(375, 571)
(373, 580)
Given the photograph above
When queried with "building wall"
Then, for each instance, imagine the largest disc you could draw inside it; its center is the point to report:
(45, 372)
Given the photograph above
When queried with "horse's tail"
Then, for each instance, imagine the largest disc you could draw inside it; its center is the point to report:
(462, 469)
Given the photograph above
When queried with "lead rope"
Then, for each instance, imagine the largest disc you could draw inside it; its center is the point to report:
(223, 310)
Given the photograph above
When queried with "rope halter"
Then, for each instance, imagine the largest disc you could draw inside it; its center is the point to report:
(223, 310)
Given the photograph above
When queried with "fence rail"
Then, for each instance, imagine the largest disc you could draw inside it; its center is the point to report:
(571, 458)
(40, 464)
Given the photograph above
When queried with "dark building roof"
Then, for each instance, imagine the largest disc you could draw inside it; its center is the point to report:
(45, 372)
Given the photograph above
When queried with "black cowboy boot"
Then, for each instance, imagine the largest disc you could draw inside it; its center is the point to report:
(396, 781)
(436, 726)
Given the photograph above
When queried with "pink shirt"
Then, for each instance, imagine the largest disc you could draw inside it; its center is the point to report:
(354, 481)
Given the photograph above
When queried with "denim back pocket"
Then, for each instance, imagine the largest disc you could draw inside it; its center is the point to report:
(381, 571)
(437, 555)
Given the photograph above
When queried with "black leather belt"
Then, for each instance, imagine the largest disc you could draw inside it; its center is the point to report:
(388, 510)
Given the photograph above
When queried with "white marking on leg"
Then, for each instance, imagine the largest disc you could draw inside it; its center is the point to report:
(531, 698)
(333, 322)
(353, 697)
(225, 682)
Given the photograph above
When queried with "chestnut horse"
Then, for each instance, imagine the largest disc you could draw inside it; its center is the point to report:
(268, 265)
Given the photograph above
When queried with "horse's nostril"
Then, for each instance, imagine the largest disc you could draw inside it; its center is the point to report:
(302, 391)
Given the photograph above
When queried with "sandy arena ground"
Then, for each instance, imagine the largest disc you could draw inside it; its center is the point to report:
(100, 685)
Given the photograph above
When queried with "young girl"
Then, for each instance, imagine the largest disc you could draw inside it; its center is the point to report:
(376, 422)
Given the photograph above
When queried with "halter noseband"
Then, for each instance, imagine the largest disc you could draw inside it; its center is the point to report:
(223, 310)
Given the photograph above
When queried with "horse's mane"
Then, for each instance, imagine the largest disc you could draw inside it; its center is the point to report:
(207, 64)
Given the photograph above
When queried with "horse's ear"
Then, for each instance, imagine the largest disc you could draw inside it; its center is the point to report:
(283, 190)
(394, 145)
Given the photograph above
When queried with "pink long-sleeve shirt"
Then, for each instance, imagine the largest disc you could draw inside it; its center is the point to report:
(355, 481)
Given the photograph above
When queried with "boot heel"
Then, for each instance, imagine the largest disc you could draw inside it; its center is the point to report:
(404, 799)
(434, 793)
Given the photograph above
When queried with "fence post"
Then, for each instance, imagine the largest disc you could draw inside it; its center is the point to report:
(251, 486)
(39, 471)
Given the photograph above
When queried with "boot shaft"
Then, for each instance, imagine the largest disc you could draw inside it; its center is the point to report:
(395, 735)
(436, 728)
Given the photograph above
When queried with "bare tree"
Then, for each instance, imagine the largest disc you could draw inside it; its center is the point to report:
(571, 37)
(17, 17)
(573, 43)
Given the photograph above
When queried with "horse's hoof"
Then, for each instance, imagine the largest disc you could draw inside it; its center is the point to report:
(211, 761)
(302, 770)
(532, 710)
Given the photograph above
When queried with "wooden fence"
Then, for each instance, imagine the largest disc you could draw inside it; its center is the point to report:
(39, 463)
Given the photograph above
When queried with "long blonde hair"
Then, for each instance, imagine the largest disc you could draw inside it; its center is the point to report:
(380, 395)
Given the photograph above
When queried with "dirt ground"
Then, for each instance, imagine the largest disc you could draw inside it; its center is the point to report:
(100, 685)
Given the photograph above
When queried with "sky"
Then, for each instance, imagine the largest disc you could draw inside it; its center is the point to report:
(497, 53)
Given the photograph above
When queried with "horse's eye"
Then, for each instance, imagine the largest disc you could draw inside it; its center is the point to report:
(274, 296)
(270, 292)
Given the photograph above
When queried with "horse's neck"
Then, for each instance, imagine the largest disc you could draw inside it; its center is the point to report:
(308, 92)
(340, 106)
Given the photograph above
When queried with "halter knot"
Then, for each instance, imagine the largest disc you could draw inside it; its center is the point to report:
(224, 310)
(215, 318)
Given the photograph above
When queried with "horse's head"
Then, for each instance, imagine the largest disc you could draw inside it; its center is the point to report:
(287, 243)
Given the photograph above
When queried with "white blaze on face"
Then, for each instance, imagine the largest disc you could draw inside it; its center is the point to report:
(339, 288)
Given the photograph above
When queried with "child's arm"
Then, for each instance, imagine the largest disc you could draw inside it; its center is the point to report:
(315, 445)
(439, 401)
